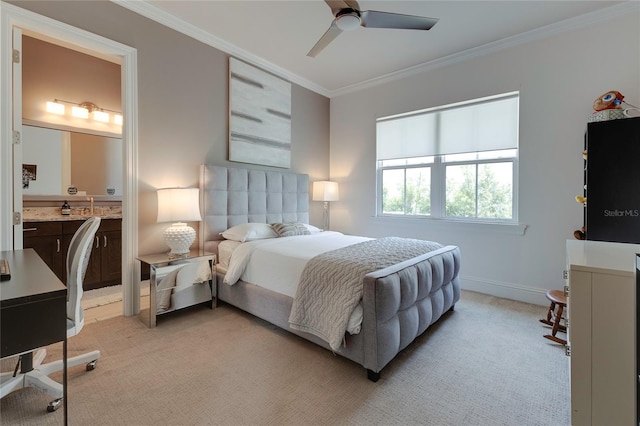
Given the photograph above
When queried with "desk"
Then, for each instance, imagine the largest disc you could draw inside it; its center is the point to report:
(33, 309)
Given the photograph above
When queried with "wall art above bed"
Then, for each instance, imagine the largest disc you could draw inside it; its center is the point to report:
(259, 116)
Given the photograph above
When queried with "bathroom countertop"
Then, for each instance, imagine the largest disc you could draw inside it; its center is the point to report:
(49, 214)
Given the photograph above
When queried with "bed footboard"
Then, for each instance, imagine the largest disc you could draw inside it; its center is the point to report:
(402, 301)
(399, 304)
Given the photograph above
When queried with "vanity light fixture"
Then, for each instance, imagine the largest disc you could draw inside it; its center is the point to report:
(84, 110)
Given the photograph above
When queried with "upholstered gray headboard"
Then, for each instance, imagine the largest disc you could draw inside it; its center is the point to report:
(231, 196)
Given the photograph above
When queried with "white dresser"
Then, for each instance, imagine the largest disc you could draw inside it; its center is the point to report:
(602, 332)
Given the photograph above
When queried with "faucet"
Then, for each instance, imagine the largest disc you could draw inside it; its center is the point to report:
(90, 199)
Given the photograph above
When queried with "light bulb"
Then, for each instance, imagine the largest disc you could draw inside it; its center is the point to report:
(55, 108)
(80, 112)
(101, 116)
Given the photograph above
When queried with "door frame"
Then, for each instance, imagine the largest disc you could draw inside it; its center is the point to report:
(12, 16)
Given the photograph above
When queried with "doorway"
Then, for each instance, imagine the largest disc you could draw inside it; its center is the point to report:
(15, 18)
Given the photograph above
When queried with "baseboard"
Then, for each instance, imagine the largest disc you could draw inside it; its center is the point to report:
(532, 295)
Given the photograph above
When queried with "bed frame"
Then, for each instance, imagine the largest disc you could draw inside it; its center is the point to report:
(399, 302)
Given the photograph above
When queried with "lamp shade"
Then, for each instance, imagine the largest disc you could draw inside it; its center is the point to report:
(179, 205)
(325, 190)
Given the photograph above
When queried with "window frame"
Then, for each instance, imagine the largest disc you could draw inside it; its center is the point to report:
(438, 182)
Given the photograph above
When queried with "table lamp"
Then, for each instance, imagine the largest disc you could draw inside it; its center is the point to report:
(179, 205)
(326, 191)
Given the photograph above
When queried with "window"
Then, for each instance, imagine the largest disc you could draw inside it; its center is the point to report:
(453, 162)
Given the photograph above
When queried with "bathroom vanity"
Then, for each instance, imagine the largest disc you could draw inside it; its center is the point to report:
(49, 233)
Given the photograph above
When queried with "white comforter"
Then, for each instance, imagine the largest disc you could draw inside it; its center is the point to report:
(277, 263)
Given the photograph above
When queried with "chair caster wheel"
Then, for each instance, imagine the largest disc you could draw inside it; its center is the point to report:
(54, 405)
(92, 365)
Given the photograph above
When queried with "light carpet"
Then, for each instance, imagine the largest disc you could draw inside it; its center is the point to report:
(486, 363)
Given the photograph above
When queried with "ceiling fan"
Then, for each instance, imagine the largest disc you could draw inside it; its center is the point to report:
(348, 17)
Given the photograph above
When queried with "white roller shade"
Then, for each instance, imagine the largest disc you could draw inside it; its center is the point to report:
(406, 137)
(486, 125)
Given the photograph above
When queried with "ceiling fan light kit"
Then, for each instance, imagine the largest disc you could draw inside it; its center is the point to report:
(348, 21)
(348, 17)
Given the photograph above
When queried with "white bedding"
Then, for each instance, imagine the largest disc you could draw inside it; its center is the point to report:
(225, 249)
(277, 263)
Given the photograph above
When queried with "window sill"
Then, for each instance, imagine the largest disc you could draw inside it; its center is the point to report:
(458, 225)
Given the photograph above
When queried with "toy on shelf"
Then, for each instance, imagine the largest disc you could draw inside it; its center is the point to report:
(580, 234)
(610, 100)
(609, 107)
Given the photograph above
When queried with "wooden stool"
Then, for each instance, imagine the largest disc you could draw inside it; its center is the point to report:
(554, 315)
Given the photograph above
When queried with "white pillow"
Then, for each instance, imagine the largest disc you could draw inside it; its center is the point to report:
(312, 228)
(249, 232)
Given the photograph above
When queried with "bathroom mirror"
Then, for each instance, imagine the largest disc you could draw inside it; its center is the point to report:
(54, 160)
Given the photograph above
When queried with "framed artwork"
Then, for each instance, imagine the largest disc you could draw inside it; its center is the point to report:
(259, 116)
(29, 173)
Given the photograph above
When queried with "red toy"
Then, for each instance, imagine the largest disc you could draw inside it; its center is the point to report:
(610, 100)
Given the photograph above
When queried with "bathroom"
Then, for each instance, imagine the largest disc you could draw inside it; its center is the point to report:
(69, 159)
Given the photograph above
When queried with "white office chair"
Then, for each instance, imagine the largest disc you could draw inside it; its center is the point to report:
(77, 260)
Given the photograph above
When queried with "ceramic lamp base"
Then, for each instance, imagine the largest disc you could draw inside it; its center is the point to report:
(179, 238)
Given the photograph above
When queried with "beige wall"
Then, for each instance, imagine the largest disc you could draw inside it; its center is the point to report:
(182, 94)
(558, 79)
(53, 72)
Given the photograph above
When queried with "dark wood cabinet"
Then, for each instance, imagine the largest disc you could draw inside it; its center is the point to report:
(46, 239)
(110, 234)
(51, 241)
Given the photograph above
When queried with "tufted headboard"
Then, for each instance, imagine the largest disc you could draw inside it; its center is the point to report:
(231, 196)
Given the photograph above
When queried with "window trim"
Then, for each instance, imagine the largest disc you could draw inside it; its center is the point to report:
(438, 190)
(438, 187)
(514, 175)
(439, 224)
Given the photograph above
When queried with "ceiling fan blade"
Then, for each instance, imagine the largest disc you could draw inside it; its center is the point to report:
(337, 5)
(375, 19)
(324, 41)
(353, 4)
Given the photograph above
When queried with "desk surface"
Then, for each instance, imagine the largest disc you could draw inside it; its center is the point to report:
(31, 279)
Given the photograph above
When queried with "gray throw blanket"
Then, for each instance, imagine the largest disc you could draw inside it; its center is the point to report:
(331, 284)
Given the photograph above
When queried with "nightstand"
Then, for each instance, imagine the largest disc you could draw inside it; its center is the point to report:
(180, 282)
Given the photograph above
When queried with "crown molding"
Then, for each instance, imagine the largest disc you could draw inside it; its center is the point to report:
(149, 11)
(571, 24)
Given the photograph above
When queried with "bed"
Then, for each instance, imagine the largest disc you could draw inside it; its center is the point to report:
(397, 301)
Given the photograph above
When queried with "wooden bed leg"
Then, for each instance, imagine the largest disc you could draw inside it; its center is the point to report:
(372, 375)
